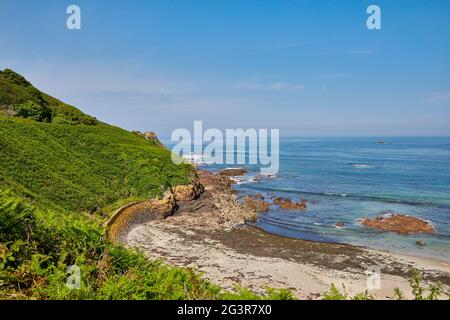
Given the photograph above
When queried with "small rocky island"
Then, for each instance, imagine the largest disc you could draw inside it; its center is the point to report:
(399, 223)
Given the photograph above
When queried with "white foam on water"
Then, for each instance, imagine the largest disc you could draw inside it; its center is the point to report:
(363, 166)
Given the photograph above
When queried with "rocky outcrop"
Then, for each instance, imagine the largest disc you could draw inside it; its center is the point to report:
(233, 172)
(213, 182)
(189, 192)
(288, 204)
(399, 223)
(257, 203)
(150, 136)
(208, 203)
(339, 225)
(217, 208)
(138, 213)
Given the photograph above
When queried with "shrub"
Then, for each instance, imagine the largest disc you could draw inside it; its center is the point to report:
(334, 294)
(34, 111)
(246, 294)
(418, 290)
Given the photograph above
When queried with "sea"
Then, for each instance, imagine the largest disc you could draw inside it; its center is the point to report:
(348, 179)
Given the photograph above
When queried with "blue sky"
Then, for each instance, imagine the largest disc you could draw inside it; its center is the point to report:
(309, 68)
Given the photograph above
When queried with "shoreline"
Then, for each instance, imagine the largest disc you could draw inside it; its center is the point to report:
(360, 221)
(399, 254)
(210, 234)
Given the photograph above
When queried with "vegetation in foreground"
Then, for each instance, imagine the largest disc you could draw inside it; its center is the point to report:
(37, 247)
(419, 291)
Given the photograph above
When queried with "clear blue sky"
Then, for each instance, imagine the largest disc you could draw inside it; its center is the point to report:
(306, 67)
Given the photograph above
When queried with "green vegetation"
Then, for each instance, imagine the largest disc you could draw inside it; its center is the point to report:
(418, 291)
(335, 294)
(82, 168)
(34, 111)
(271, 294)
(36, 248)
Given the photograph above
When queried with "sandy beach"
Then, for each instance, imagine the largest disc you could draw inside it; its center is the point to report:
(208, 235)
(254, 259)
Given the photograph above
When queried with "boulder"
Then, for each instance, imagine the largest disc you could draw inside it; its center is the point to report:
(233, 172)
(152, 137)
(399, 223)
(420, 243)
(257, 203)
(188, 192)
(286, 203)
(214, 182)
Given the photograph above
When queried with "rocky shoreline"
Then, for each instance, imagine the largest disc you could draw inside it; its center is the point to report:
(206, 229)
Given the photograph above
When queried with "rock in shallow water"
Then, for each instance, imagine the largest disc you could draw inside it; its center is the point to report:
(399, 223)
(286, 203)
(420, 243)
(233, 172)
(257, 203)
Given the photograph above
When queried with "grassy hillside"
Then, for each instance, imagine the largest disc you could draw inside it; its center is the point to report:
(72, 166)
(82, 168)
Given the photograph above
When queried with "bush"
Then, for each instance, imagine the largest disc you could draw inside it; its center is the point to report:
(418, 290)
(34, 111)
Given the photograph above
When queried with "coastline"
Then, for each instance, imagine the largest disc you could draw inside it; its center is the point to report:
(210, 234)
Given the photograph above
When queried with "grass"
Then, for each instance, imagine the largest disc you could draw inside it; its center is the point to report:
(82, 168)
(61, 158)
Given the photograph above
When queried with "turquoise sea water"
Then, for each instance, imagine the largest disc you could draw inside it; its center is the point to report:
(346, 179)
